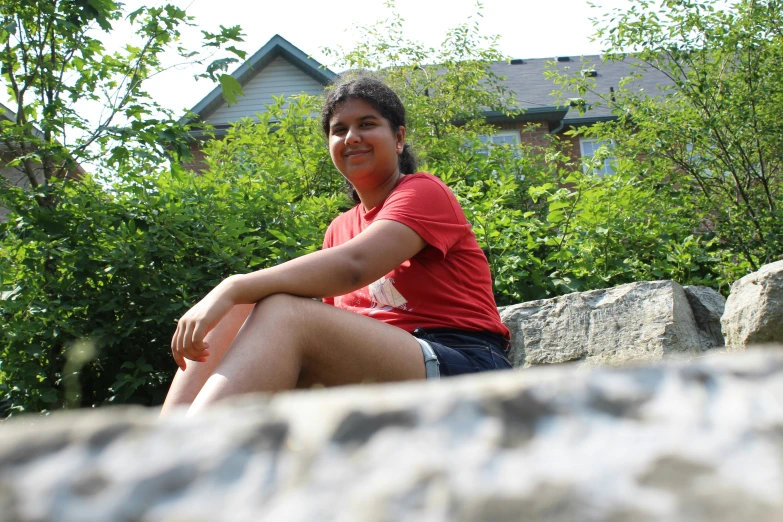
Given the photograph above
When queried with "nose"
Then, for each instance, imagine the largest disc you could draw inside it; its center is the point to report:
(352, 135)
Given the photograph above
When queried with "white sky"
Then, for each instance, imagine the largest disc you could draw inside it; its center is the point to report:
(528, 29)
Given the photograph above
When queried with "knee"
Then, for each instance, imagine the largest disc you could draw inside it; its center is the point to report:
(282, 309)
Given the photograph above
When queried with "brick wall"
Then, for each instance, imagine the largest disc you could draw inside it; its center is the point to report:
(198, 163)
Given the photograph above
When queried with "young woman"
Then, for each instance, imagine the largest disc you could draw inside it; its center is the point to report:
(406, 290)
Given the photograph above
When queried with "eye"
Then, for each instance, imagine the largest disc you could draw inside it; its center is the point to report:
(336, 131)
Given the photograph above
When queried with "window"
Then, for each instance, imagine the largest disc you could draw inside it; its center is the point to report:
(589, 147)
(503, 137)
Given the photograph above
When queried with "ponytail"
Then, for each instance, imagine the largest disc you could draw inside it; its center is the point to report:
(407, 160)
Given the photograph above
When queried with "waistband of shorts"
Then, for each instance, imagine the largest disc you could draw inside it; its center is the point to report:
(492, 338)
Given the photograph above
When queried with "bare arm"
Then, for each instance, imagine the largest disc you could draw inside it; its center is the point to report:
(383, 246)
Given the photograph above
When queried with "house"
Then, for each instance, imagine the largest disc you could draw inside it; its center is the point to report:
(277, 69)
(280, 69)
(534, 94)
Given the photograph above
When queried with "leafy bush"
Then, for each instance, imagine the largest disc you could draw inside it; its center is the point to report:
(116, 268)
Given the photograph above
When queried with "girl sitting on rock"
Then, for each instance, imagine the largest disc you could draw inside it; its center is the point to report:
(406, 290)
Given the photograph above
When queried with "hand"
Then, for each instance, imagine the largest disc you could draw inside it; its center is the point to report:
(193, 327)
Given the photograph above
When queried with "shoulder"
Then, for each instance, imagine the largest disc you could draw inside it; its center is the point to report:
(340, 226)
(425, 204)
(424, 185)
(346, 217)
(425, 181)
(424, 189)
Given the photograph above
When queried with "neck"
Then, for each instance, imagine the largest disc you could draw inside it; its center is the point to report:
(372, 197)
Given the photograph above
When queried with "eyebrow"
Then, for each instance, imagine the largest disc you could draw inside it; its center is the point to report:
(361, 118)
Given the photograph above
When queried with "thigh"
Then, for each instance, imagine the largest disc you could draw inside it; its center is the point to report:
(297, 342)
(188, 383)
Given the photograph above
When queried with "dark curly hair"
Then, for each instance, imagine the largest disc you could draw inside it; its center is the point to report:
(362, 86)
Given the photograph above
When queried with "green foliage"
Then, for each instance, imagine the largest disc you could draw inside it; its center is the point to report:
(604, 231)
(60, 78)
(715, 134)
(117, 268)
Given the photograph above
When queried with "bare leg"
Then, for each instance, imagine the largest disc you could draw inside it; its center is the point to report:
(292, 341)
(187, 384)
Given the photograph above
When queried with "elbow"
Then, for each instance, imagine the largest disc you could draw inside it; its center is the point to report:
(356, 274)
(356, 271)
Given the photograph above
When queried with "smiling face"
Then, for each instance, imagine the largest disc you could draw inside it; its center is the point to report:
(363, 146)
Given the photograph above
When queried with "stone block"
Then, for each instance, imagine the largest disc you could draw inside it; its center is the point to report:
(647, 321)
(754, 309)
(708, 307)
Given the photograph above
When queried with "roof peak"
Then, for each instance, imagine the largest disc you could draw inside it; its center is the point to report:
(275, 47)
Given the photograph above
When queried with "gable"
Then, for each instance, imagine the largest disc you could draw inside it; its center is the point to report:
(279, 78)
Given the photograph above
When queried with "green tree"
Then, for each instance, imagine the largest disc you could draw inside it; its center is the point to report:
(715, 133)
(94, 328)
(60, 77)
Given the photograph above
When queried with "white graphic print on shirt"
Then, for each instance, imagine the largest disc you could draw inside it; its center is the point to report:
(384, 295)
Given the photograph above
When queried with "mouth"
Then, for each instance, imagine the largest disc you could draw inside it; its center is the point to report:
(355, 153)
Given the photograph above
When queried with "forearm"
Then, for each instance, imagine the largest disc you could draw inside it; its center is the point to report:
(335, 271)
(325, 273)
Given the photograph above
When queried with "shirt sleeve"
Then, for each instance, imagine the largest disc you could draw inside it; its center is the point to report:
(429, 208)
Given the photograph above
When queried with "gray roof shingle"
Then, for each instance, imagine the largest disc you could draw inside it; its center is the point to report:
(534, 90)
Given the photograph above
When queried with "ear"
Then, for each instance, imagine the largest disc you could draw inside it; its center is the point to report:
(400, 139)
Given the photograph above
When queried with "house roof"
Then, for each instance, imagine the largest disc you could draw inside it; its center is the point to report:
(276, 47)
(526, 78)
(534, 92)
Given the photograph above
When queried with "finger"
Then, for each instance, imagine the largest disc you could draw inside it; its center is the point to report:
(199, 332)
(180, 362)
(178, 344)
(194, 355)
(180, 335)
(175, 349)
(187, 343)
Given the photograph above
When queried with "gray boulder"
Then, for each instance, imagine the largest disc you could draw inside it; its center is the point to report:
(754, 309)
(674, 443)
(647, 321)
(708, 307)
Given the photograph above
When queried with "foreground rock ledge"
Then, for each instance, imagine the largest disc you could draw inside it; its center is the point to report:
(689, 442)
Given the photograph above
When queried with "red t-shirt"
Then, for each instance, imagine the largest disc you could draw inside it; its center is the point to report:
(446, 285)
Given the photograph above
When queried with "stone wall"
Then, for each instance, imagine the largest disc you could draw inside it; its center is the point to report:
(647, 321)
(689, 434)
(754, 310)
(692, 442)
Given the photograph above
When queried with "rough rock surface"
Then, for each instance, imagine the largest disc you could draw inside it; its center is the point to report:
(645, 321)
(708, 307)
(674, 443)
(754, 309)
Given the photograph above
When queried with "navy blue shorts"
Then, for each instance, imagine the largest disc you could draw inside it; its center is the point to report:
(460, 351)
